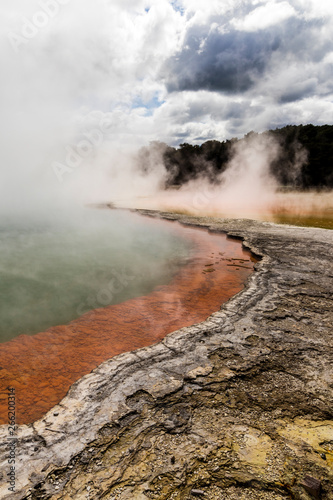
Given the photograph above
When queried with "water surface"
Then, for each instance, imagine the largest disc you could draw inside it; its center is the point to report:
(54, 269)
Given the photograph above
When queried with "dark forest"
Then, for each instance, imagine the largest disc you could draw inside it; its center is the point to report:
(305, 159)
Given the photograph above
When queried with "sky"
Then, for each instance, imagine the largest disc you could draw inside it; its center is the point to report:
(121, 73)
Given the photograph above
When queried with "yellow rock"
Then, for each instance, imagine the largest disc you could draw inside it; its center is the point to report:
(315, 434)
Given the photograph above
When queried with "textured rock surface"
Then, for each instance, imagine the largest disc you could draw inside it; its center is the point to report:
(237, 407)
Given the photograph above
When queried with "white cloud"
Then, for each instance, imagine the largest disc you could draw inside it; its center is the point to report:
(313, 9)
(264, 16)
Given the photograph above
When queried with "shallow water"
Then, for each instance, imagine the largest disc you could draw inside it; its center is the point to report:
(55, 269)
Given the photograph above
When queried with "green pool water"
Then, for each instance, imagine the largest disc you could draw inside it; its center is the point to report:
(55, 269)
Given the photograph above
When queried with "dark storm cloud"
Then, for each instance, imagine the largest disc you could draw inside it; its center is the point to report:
(234, 61)
(228, 62)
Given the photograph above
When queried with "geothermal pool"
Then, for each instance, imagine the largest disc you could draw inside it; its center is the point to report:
(119, 282)
(56, 268)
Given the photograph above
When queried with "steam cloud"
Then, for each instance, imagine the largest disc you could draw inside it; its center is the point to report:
(76, 94)
(246, 188)
(68, 131)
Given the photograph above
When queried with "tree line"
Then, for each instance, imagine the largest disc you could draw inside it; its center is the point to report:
(304, 160)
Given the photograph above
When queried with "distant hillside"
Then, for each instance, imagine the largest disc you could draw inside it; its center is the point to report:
(305, 159)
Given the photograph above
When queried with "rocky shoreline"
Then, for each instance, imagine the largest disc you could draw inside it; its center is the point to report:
(237, 407)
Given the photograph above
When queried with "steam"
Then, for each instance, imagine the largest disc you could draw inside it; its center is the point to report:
(68, 127)
(247, 188)
(70, 132)
(247, 183)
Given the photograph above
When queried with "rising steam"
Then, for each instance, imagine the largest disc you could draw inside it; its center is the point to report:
(56, 151)
(247, 188)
